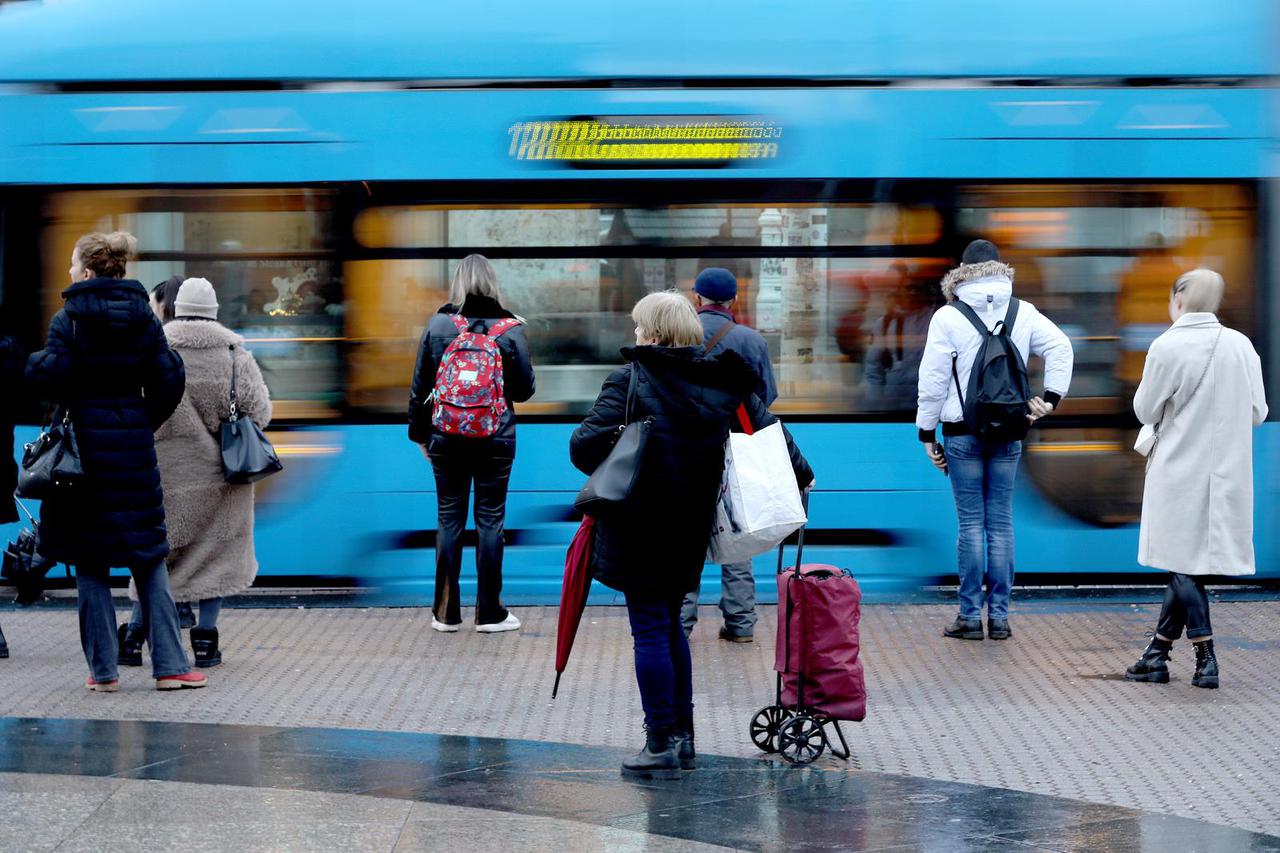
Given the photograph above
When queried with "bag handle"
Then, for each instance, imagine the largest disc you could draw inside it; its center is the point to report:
(235, 408)
(631, 393)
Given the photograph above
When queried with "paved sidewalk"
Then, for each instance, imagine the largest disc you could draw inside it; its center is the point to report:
(1045, 713)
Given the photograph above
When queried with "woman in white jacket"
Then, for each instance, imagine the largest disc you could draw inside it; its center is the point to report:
(982, 473)
(1202, 390)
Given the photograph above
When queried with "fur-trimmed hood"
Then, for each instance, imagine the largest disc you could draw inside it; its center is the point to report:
(970, 273)
(200, 334)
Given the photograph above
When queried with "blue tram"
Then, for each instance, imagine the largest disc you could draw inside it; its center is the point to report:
(324, 165)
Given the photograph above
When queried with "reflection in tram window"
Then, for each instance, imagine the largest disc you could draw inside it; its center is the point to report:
(333, 289)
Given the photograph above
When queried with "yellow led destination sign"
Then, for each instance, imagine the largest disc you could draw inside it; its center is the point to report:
(618, 141)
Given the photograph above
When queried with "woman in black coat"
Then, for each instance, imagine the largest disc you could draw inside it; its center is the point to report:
(107, 364)
(11, 361)
(655, 552)
(458, 461)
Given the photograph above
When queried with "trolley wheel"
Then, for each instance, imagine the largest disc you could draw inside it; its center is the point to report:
(800, 740)
(765, 725)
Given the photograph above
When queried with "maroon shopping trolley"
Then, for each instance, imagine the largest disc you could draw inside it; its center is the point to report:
(820, 678)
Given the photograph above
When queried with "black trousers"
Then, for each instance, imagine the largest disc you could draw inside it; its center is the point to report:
(455, 473)
(1186, 605)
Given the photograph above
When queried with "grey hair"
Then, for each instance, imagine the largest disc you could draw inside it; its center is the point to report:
(1201, 291)
(474, 275)
(669, 319)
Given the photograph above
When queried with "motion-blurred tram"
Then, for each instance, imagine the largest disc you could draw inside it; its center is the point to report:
(325, 170)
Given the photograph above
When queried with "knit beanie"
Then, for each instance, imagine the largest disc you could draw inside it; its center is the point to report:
(716, 284)
(980, 251)
(196, 299)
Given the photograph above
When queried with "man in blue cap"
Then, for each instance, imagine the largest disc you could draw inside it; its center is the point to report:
(716, 293)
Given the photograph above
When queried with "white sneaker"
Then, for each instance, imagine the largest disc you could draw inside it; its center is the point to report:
(511, 623)
(442, 627)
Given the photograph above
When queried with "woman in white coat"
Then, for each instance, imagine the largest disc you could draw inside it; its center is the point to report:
(1202, 390)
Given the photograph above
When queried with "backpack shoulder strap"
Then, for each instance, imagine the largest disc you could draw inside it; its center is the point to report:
(967, 310)
(719, 336)
(1011, 314)
(502, 326)
(461, 323)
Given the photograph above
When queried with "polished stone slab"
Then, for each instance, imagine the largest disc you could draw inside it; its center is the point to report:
(540, 790)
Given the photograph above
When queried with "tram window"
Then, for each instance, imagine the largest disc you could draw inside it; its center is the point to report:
(846, 329)
(265, 253)
(427, 227)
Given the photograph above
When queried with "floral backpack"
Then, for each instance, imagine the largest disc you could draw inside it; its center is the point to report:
(468, 397)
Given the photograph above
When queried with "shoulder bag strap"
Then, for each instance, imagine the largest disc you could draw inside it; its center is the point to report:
(967, 310)
(1203, 374)
(631, 392)
(955, 374)
(460, 322)
(235, 409)
(1010, 315)
(719, 336)
(502, 327)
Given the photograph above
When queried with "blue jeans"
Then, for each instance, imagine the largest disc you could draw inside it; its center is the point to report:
(664, 668)
(737, 601)
(982, 478)
(98, 621)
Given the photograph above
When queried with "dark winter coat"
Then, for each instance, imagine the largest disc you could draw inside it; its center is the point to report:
(746, 342)
(11, 364)
(660, 546)
(107, 361)
(517, 378)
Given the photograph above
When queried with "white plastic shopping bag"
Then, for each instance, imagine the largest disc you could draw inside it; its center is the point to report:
(759, 503)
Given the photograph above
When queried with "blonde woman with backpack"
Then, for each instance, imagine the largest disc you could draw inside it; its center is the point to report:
(473, 363)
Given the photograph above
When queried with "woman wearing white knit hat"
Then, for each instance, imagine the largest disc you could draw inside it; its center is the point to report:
(210, 521)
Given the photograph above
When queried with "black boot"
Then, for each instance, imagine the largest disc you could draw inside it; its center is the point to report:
(1153, 666)
(998, 629)
(130, 651)
(1206, 666)
(964, 629)
(4, 647)
(204, 642)
(683, 737)
(658, 759)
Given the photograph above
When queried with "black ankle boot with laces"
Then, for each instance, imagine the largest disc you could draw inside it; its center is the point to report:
(658, 759)
(1153, 666)
(1206, 666)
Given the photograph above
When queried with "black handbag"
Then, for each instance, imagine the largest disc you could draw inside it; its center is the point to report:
(51, 464)
(609, 487)
(23, 565)
(247, 456)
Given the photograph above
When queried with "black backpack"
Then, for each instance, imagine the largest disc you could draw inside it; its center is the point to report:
(995, 409)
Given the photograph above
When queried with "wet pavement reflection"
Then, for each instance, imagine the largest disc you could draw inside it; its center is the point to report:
(747, 804)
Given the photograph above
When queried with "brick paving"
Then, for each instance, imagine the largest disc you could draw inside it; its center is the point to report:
(1046, 712)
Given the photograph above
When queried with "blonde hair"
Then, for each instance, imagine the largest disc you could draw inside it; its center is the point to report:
(1201, 291)
(668, 319)
(106, 254)
(474, 275)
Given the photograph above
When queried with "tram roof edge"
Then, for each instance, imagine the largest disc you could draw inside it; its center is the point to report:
(408, 40)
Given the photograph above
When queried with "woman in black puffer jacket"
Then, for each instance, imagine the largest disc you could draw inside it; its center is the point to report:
(107, 364)
(655, 554)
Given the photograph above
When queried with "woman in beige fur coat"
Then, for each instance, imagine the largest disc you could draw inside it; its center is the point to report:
(210, 521)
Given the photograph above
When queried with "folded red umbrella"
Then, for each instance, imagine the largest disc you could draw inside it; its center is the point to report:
(573, 595)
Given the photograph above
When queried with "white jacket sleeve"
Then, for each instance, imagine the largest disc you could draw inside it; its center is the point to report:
(1154, 390)
(1050, 343)
(935, 374)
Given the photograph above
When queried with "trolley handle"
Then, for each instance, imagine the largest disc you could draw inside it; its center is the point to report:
(804, 500)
